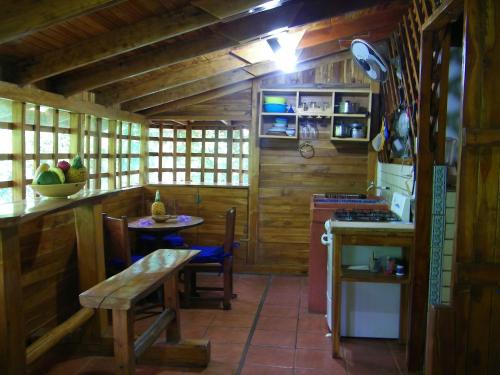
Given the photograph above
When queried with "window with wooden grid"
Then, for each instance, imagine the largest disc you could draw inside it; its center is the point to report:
(32, 134)
(112, 153)
(198, 154)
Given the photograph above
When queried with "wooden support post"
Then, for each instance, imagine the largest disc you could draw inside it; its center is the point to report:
(439, 153)
(143, 166)
(253, 178)
(440, 350)
(98, 153)
(55, 137)
(91, 266)
(188, 152)
(37, 136)
(420, 267)
(112, 154)
(76, 137)
(18, 149)
(12, 330)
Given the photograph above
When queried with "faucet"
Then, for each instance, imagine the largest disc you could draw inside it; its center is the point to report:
(371, 186)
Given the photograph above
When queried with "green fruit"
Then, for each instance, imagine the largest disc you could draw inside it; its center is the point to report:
(41, 168)
(77, 162)
(48, 178)
(59, 173)
(76, 175)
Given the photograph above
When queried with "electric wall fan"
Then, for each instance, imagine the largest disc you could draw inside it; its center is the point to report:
(367, 57)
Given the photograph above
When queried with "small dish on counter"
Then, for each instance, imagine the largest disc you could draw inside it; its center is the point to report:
(162, 218)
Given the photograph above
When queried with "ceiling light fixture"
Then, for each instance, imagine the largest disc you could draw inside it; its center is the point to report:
(283, 47)
(266, 6)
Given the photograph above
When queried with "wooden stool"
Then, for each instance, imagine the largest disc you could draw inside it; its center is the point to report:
(120, 294)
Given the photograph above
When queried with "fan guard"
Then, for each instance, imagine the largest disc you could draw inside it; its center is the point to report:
(368, 59)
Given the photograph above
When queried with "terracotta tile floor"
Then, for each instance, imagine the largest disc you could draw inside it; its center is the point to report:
(268, 331)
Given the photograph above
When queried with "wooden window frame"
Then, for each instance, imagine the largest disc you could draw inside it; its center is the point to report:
(189, 154)
(79, 130)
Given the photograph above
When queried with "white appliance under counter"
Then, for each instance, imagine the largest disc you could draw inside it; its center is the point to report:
(371, 305)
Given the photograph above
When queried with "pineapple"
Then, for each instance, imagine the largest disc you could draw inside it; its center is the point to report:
(77, 172)
(157, 208)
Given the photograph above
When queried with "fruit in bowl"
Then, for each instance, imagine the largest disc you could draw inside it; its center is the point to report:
(61, 181)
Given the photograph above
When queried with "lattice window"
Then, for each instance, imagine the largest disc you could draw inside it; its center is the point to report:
(198, 154)
(33, 134)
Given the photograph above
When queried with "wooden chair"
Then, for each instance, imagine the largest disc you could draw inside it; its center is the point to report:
(118, 254)
(214, 259)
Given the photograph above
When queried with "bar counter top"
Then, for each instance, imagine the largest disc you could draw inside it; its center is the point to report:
(21, 211)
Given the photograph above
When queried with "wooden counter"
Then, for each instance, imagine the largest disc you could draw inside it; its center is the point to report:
(374, 234)
(87, 208)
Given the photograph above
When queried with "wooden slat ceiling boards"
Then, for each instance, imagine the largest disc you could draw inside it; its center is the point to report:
(143, 54)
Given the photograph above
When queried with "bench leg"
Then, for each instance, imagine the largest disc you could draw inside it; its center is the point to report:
(123, 336)
(171, 301)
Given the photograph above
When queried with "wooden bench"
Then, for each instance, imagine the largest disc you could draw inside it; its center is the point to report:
(120, 293)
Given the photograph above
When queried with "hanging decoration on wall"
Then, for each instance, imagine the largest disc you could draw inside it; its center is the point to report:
(306, 150)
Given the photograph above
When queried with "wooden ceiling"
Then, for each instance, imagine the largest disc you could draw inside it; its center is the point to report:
(157, 56)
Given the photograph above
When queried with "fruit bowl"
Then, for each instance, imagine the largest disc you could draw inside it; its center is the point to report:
(58, 190)
(162, 218)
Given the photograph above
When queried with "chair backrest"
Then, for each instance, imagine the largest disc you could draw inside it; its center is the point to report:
(116, 240)
(229, 236)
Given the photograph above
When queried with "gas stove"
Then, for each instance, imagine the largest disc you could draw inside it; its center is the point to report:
(345, 196)
(365, 215)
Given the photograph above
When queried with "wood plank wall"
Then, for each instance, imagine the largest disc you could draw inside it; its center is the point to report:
(236, 106)
(287, 180)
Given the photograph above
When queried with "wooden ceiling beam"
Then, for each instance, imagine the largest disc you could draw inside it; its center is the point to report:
(108, 73)
(264, 69)
(190, 89)
(167, 78)
(356, 22)
(201, 98)
(24, 17)
(308, 58)
(163, 80)
(121, 40)
(231, 116)
(224, 37)
(224, 9)
(229, 34)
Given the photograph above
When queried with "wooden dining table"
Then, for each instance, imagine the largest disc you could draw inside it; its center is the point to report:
(173, 224)
(146, 225)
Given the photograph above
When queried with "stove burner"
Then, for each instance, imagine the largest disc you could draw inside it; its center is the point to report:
(345, 196)
(365, 215)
